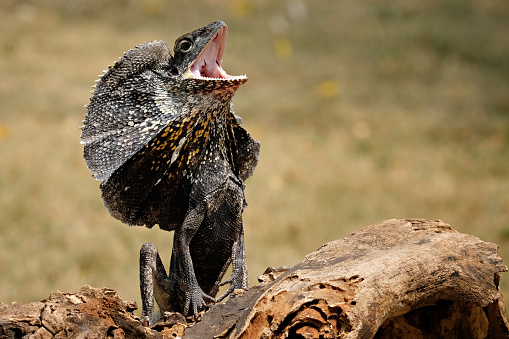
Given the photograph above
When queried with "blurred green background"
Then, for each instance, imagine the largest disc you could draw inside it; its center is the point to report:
(366, 111)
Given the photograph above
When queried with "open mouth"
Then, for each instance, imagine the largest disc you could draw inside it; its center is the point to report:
(207, 65)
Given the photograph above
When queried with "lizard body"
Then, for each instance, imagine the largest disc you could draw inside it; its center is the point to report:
(161, 136)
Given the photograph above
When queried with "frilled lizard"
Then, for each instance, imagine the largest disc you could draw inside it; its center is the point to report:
(161, 136)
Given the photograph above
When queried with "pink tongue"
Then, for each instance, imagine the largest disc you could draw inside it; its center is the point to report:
(212, 71)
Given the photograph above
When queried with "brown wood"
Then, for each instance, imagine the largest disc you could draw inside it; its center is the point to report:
(395, 279)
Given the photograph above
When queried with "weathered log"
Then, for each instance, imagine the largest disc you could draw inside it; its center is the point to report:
(90, 313)
(394, 279)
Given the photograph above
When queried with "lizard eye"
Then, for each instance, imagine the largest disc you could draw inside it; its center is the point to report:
(185, 46)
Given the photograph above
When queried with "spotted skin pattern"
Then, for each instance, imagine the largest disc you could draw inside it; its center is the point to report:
(161, 136)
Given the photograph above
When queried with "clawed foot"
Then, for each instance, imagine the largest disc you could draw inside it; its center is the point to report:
(235, 283)
(145, 321)
(197, 300)
(149, 320)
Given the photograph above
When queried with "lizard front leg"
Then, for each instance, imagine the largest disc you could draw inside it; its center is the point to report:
(182, 272)
(154, 283)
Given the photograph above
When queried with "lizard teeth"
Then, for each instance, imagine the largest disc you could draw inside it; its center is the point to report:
(229, 78)
(207, 65)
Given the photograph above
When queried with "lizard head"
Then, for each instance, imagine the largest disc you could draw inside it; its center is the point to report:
(198, 56)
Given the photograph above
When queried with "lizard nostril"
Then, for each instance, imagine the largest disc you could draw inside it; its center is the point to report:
(174, 71)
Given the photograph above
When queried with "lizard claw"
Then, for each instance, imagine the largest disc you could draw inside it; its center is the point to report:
(227, 281)
(234, 285)
(197, 300)
(228, 291)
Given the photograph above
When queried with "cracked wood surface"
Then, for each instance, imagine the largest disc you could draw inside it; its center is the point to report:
(89, 313)
(395, 279)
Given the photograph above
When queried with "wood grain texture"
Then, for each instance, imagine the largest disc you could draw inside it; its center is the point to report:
(396, 279)
(392, 279)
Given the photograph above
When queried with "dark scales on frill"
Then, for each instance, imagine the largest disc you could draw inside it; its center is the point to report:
(161, 136)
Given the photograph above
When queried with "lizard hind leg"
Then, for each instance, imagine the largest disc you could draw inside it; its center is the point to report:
(154, 284)
(239, 276)
(191, 296)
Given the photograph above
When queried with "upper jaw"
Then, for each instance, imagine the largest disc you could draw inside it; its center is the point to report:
(207, 66)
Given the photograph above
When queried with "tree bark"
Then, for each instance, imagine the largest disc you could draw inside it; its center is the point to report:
(395, 279)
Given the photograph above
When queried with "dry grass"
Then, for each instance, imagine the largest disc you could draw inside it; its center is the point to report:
(366, 111)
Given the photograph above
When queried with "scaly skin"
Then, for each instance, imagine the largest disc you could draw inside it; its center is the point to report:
(161, 136)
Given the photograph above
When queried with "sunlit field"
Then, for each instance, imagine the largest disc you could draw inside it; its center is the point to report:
(365, 111)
